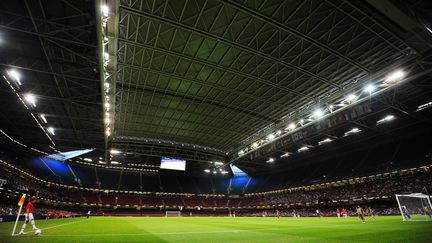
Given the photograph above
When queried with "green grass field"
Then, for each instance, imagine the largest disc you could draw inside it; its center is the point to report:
(220, 229)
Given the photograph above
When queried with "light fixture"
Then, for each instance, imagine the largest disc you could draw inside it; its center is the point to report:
(207, 171)
(115, 162)
(114, 151)
(270, 160)
(43, 118)
(318, 113)
(301, 122)
(327, 140)
(271, 136)
(218, 163)
(370, 88)
(30, 98)
(105, 10)
(354, 130)
(88, 159)
(279, 132)
(51, 130)
(15, 75)
(304, 148)
(351, 98)
(108, 133)
(107, 120)
(285, 155)
(424, 106)
(214, 172)
(291, 126)
(224, 172)
(107, 105)
(255, 145)
(386, 119)
(394, 76)
(106, 56)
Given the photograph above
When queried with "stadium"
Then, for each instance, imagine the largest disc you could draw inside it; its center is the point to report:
(215, 120)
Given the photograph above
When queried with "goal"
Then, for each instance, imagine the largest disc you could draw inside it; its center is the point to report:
(172, 213)
(415, 206)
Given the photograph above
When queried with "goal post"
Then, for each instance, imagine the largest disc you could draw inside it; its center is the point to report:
(172, 213)
(415, 206)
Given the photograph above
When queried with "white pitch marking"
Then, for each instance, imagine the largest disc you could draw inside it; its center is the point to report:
(170, 233)
(58, 225)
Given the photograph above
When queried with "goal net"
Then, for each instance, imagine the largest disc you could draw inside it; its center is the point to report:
(172, 213)
(415, 206)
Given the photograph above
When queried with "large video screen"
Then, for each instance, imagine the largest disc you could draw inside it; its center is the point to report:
(173, 164)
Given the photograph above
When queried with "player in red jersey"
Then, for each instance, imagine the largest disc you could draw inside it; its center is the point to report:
(344, 213)
(29, 215)
(338, 213)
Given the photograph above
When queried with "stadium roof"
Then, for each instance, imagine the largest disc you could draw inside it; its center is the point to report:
(200, 79)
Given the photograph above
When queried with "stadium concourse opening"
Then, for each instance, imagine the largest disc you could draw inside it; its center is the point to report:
(215, 120)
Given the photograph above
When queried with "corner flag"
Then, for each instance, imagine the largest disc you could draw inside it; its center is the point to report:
(20, 204)
(21, 201)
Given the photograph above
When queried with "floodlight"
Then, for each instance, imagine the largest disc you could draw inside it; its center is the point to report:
(207, 171)
(351, 98)
(114, 151)
(354, 130)
(394, 76)
(51, 130)
(327, 140)
(218, 163)
(304, 148)
(108, 133)
(270, 136)
(285, 155)
(424, 106)
(105, 10)
(318, 113)
(370, 88)
(115, 162)
(291, 126)
(255, 145)
(386, 119)
(15, 75)
(88, 159)
(214, 172)
(270, 160)
(30, 98)
(106, 56)
(43, 118)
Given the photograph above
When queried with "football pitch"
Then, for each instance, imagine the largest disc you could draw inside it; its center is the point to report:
(222, 229)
